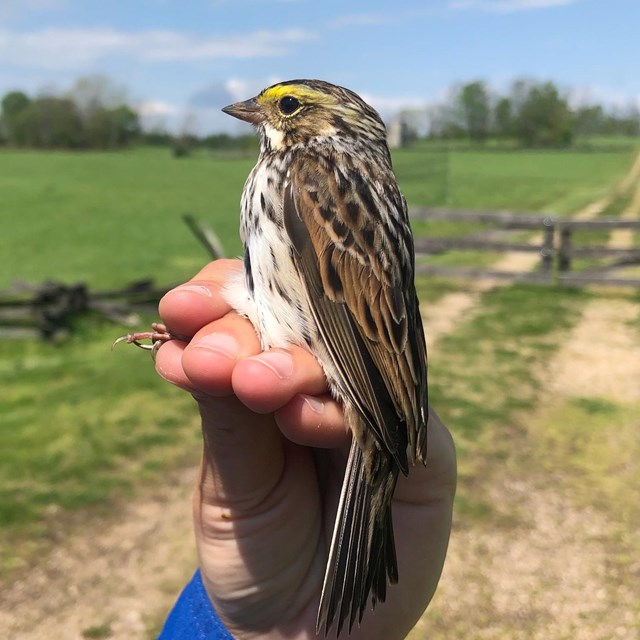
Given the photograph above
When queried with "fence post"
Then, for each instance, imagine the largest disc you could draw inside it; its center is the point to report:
(564, 254)
(547, 245)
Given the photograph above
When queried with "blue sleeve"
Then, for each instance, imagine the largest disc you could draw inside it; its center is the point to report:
(193, 616)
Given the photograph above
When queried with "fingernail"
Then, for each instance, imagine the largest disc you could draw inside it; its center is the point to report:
(280, 363)
(220, 343)
(195, 288)
(169, 374)
(314, 404)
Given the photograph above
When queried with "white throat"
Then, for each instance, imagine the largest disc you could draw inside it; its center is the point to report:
(275, 137)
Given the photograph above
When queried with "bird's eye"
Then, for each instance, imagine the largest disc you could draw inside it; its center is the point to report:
(289, 105)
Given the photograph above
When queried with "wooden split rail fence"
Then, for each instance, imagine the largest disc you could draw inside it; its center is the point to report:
(552, 238)
(47, 310)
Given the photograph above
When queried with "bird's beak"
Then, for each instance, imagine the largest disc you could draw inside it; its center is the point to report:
(249, 111)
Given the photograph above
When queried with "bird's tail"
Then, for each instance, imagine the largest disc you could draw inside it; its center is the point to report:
(362, 558)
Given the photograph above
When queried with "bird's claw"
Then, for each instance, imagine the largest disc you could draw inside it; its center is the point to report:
(158, 336)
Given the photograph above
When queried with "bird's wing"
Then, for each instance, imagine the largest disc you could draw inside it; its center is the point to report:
(357, 267)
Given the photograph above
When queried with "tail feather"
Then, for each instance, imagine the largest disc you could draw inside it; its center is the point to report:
(353, 581)
(362, 558)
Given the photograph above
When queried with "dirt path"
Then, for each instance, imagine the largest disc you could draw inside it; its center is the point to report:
(604, 336)
(546, 577)
(553, 569)
(624, 237)
(116, 579)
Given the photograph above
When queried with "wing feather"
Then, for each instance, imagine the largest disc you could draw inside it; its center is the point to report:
(363, 300)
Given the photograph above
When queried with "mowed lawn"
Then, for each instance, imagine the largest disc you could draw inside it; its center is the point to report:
(81, 426)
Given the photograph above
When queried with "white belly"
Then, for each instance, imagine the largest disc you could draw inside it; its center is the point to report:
(277, 306)
(282, 313)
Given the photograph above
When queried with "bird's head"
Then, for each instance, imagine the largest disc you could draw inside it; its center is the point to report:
(298, 111)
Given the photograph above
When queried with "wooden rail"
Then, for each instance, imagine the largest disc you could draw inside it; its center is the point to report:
(47, 310)
(534, 277)
(439, 245)
(505, 219)
(555, 242)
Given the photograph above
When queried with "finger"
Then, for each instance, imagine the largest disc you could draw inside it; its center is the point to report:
(269, 380)
(211, 356)
(198, 302)
(169, 364)
(291, 383)
(313, 421)
(218, 270)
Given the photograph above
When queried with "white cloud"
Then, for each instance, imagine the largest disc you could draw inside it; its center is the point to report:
(380, 18)
(258, 44)
(388, 106)
(206, 103)
(360, 20)
(219, 94)
(507, 6)
(245, 89)
(159, 115)
(71, 48)
(157, 108)
(606, 96)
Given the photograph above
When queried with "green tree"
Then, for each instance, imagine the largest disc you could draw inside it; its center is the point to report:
(14, 102)
(125, 125)
(14, 105)
(589, 120)
(503, 118)
(93, 114)
(625, 122)
(474, 105)
(543, 118)
(107, 120)
(52, 122)
(109, 128)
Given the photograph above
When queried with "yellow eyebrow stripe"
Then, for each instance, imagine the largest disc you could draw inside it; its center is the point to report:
(304, 94)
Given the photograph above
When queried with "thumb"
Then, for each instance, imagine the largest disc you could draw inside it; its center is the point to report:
(242, 451)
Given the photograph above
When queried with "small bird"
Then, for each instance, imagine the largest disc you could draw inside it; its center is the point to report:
(329, 265)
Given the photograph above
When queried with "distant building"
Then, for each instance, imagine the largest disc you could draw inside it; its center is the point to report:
(397, 134)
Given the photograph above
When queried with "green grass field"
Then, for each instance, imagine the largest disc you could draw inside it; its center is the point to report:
(82, 425)
(110, 218)
(557, 182)
(107, 218)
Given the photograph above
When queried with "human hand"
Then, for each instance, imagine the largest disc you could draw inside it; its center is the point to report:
(274, 453)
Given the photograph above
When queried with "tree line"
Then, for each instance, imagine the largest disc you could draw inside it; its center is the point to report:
(93, 114)
(534, 114)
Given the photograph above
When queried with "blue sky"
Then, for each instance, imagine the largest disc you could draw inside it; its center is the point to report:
(181, 61)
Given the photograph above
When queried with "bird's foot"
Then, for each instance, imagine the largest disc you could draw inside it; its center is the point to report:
(158, 336)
